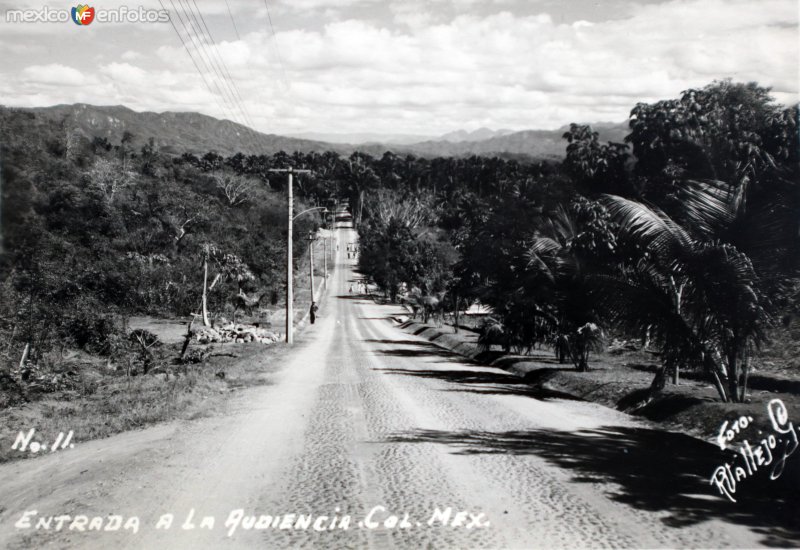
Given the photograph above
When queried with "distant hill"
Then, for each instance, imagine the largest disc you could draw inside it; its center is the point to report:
(355, 139)
(532, 144)
(480, 134)
(174, 132)
(196, 133)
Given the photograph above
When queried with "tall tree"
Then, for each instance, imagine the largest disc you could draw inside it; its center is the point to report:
(359, 177)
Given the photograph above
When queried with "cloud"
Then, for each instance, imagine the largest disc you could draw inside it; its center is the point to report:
(130, 55)
(54, 74)
(414, 70)
(314, 5)
(124, 73)
(528, 66)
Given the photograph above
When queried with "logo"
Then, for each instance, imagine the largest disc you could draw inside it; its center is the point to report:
(83, 14)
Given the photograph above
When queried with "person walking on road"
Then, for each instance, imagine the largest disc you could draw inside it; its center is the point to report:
(313, 312)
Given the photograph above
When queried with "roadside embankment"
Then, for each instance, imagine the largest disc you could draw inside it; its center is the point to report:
(622, 381)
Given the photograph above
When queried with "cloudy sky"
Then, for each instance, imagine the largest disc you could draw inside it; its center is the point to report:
(401, 66)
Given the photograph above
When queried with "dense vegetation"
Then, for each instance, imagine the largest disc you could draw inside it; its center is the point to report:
(94, 232)
(685, 236)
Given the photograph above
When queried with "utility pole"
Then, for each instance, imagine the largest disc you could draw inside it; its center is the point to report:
(311, 261)
(325, 247)
(289, 269)
(325, 258)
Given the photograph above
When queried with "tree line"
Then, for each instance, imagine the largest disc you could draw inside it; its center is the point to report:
(94, 231)
(684, 236)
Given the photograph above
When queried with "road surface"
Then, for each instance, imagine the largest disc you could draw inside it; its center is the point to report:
(378, 439)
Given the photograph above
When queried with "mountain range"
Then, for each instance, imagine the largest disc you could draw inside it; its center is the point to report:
(360, 138)
(402, 139)
(480, 134)
(178, 132)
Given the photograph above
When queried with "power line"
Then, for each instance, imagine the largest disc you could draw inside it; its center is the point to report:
(277, 48)
(196, 66)
(208, 63)
(223, 67)
(236, 30)
(217, 63)
(202, 53)
(226, 75)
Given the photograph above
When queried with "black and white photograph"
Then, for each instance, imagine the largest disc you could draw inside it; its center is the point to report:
(399, 274)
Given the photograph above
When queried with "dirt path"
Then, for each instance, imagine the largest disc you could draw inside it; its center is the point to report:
(366, 421)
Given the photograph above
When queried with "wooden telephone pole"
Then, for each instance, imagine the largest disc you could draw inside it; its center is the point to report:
(289, 270)
(311, 261)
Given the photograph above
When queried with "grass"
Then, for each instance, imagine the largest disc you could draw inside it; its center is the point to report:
(105, 403)
(118, 403)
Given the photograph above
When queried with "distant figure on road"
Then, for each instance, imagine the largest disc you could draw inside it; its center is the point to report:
(351, 289)
(313, 312)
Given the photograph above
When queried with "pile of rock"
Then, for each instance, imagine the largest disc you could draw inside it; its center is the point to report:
(238, 334)
(620, 345)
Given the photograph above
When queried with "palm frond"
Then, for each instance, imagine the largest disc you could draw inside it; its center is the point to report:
(709, 206)
(649, 227)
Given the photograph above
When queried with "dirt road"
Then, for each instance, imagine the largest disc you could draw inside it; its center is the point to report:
(391, 442)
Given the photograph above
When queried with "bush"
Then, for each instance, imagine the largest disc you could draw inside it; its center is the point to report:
(97, 334)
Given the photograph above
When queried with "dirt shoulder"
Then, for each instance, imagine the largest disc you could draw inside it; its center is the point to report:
(621, 381)
(97, 400)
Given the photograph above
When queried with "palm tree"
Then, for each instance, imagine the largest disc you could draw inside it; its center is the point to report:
(358, 174)
(559, 278)
(228, 266)
(207, 253)
(699, 298)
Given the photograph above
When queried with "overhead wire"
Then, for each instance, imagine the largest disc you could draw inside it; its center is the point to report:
(277, 47)
(235, 29)
(189, 53)
(224, 85)
(221, 65)
(220, 84)
(202, 54)
(217, 62)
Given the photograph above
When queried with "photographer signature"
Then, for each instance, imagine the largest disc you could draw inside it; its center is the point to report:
(772, 450)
